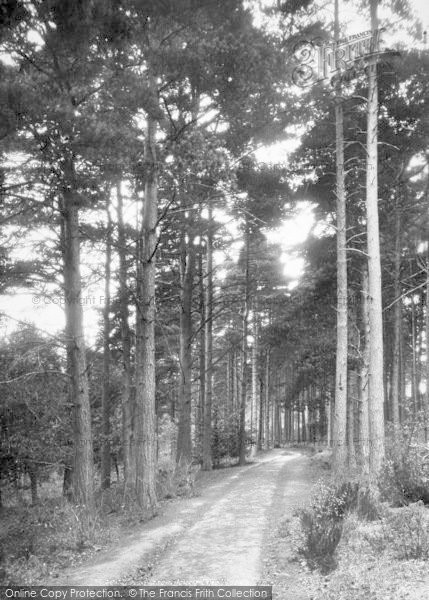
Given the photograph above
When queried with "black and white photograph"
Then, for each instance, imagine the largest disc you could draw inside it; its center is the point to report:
(214, 299)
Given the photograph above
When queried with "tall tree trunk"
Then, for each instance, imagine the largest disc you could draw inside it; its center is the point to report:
(230, 398)
(184, 434)
(286, 425)
(307, 412)
(397, 320)
(267, 399)
(364, 381)
(83, 466)
(276, 424)
(352, 397)
(245, 318)
(413, 355)
(426, 407)
(421, 333)
(286, 420)
(207, 436)
(127, 447)
(272, 417)
(105, 452)
(261, 414)
(145, 415)
(304, 422)
(340, 415)
(202, 357)
(237, 394)
(376, 383)
(255, 369)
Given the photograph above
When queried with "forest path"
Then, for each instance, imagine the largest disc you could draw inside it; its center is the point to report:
(215, 537)
(225, 546)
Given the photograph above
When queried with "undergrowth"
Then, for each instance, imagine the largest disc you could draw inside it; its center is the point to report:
(404, 478)
(52, 533)
(321, 524)
(364, 541)
(384, 559)
(38, 541)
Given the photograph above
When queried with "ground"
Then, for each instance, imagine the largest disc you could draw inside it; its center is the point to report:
(222, 535)
(241, 527)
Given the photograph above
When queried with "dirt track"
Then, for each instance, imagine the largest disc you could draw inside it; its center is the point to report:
(216, 537)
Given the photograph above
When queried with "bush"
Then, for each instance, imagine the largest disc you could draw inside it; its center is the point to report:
(405, 474)
(367, 570)
(224, 442)
(322, 523)
(407, 531)
(322, 537)
(321, 526)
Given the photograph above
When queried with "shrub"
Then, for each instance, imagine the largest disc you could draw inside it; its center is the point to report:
(403, 533)
(322, 523)
(405, 475)
(321, 526)
(322, 537)
(407, 531)
(224, 442)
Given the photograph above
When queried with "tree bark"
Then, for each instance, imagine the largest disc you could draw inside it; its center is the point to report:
(352, 397)
(306, 413)
(105, 451)
(267, 399)
(255, 369)
(340, 415)
(83, 467)
(304, 437)
(202, 357)
(397, 320)
(276, 424)
(184, 435)
(376, 382)
(413, 355)
(207, 437)
(261, 414)
(286, 425)
(272, 416)
(245, 318)
(145, 426)
(127, 421)
(426, 407)
(364, 381)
